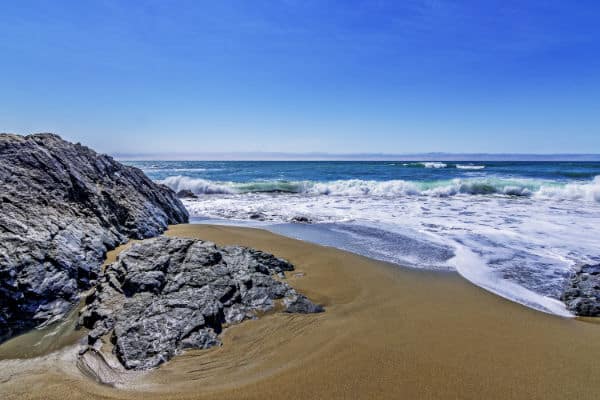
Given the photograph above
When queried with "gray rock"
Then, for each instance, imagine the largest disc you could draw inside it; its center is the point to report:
(298, 303)
(301, 219)
(257, 216)
(582, 296)
(62, 207)
(165, 295)
(186, 194)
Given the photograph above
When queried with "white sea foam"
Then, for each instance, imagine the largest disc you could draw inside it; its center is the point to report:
(393, 188)
(585, 191)
(196, 185)
(471, 267)
(434, 164)
(573, 191)
(474, 167)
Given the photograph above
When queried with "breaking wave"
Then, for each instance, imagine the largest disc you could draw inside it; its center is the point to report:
(204, 186)
(426, 164)
(573, 191)
(587, 191)
(474, 167)
(438, 164)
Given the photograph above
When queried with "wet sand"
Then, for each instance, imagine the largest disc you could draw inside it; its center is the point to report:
(387, 332)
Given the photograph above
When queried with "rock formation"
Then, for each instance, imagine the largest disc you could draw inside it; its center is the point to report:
(62, 206)
(186, 194)
(582, 297)
(165, 295)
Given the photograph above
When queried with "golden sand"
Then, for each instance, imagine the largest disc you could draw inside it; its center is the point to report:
(388, 332)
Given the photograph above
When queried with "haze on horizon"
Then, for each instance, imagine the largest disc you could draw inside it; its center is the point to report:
(315, 156)
(353, 77)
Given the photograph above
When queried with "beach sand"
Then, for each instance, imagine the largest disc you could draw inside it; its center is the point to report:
(388, 332)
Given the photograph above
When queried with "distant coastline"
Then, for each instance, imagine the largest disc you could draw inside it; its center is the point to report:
(281, 156)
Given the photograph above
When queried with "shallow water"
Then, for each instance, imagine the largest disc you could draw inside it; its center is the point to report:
(44, 341)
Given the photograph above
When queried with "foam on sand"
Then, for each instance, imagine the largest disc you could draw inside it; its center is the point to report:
(388, 333)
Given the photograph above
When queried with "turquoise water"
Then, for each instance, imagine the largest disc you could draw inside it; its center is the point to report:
(298, 176)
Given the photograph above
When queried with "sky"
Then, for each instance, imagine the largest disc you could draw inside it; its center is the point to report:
(304, 76)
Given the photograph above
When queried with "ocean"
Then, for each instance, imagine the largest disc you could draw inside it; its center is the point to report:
(517, 229)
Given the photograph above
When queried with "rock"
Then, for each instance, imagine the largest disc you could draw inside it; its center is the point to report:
(298, 303)
(186, 194)
(257, 216)
(62, 207)
(582, 296)
(165, 295)
(590, 269)
(301, 219)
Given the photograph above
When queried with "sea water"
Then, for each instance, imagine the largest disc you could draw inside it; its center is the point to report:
(517, 229)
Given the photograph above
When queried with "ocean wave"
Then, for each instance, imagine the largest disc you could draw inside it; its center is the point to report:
(445, 188)
(573, 191)
(589, 191)
(425, 164)
(196, 185)
(204, 186)
(162, 169)
(474, 167)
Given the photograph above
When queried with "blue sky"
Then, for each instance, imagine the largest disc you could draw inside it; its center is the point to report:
(301, 76)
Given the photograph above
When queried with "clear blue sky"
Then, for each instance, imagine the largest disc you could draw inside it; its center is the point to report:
(298, 76)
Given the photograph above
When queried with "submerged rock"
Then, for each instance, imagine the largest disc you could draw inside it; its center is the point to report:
(62, 206)
(186, 194)
(257, 216)
(301, 219)
(165, 295)
(582, 297)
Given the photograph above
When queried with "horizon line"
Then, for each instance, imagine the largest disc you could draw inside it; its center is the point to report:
(324, 156)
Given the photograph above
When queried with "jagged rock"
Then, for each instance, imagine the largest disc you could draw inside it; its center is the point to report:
(298, 303)
(301, 219)
(164, 295)
(186, 194)
(582, 297)
(62, 206)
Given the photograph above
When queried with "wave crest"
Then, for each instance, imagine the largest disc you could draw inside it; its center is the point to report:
(196, 185)
(469, 166)
(433, 164)
(573, 191)
(589, 191)
(204, 186)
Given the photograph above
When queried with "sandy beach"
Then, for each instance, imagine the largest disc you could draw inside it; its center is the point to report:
(231, 200)
(388, 332)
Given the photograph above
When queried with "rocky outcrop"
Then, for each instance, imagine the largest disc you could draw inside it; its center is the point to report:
(582, 297)
(186, 194)
(62, 206)
(165, 295)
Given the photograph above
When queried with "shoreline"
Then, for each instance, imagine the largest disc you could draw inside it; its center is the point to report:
(387, 332)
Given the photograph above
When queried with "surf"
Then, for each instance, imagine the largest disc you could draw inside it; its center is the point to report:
(585, 191)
